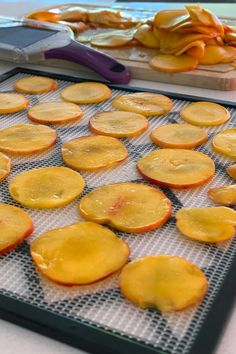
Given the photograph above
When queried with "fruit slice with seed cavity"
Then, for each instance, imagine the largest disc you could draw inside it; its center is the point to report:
(231, 170)
(47, 187)
(91, 153)
(12, 103)
(167, 283)
(35, 85)
(171, 63)
(179, 136)
(224, 195)
(205, 113)
(80, 253)
(26, 139)
(55, 113)
(213, 224)
(177, 168)
(118, 124)
(5, 166)
(15, 226)
(225, 143)
(86, 93)
(129, 207)
(148, 104)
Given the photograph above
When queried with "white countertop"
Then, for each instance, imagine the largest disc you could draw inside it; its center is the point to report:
(16, 340)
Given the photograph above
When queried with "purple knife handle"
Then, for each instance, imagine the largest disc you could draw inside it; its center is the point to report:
(104, 65)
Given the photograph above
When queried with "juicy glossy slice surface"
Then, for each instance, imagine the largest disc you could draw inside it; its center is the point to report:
(225, 142)
(128, 206)
(86, 93)
(92, 153)
(35, 84)
(177, 168)
(12, 102)
(148, 104)
(15, 226)
(5, 166)
(46, 187)
(224, 195)
(113, 39)
(26, 139)
(171, 63)
(179, 136)
(80, 253)
(167, 283)
(118, 124)
(212, 224)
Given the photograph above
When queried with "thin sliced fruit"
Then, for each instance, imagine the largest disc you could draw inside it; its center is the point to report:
(12, 102)
(112, 39)
(91, 153)
(167, 283)
(225, 142)
(148, 104)
(171, 63)
(177, 168)
(213, 224)
(169, 19)
(26, 139)
(129, 207)
(213, 54)
(86, 93)
(35, 85)
(205, 113)
(80, 253)
(15, 226)
(118, 124)
(230, 54)
(5, 166)
(231, 170)
(224, 195)
(47, 187)
(145, 36)
(178, 136)
(55, 113)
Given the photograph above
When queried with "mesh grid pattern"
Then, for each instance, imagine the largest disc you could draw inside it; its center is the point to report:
(102, 304)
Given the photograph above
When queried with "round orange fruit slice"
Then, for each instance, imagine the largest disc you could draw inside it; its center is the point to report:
(145, 103)
(12, 103)
(129, 207)
(118, 124)
(177, 168)
(231, 170)
(224, 195)
(86, 93)
(178, 136)
(15, 226)
(171, 63)
(55, 113)
(5, 166)
(91, 153)
(205, 113)
(77, 254)
(47, 187)
(35, 85)
(225, 143)
(167, 283)
(26, 139)
(213, 224)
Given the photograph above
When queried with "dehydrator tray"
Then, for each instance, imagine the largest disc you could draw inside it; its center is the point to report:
(96, 317)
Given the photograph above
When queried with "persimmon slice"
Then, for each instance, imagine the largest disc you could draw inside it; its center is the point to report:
(86, 93)
(80, 253)
(113, 39)
(167, 283)
(213, 224)
(231, 170)
(179, 136)
(35, 85)
(15, 226)
(91, 153)
(177, 168)
(118, 124)
(171, 63)
(55, 113)
(129, 207)
(225, 142)
(224, 195)
(148, 104)
(47, 187)
(5, 166)
(26, 139)
(213, 54)
(146, 36)
(12, 103)
(205, 113)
